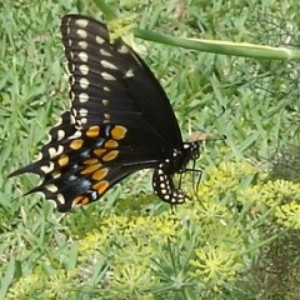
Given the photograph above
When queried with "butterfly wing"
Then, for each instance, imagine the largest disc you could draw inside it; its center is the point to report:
(120, 120)
(111, 84)
(79, 166)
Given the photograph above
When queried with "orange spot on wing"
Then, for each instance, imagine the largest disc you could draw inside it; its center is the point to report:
(118, 132)
(63, 160)
(110, 155)
(100, 174)
(76, 144)
(80, 200)
(99, 152)
(93, 132)
(111, 144)
(101, 186)
(91, 161)
(90, 169)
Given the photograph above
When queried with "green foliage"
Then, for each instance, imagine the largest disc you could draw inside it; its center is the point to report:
(41, 286)
(201, 249)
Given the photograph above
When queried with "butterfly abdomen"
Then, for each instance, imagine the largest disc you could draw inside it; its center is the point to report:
(164, 187)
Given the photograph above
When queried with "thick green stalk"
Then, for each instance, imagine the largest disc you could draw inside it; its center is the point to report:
(221, 47)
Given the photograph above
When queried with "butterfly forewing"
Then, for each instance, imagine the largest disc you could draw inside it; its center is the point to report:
(111, 84)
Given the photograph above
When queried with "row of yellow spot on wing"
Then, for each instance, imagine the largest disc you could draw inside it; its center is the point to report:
(76, 144)
(111, 155)
(80, 200)
(118, 132)
(111, 144)
(90, 169)
(93, 132)
(101, 186)
(99, 152)
(90, 161)
(100, 174)
(105, 154)
(63, 160)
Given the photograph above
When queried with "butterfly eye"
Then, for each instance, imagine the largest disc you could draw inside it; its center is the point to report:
(195, 151)
(120, 121)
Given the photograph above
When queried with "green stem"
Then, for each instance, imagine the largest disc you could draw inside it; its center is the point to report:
(213, 46)
(221, 47)
(106, 9)
(259, 245)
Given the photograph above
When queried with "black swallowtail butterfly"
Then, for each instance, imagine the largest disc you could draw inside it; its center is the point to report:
(120, 121)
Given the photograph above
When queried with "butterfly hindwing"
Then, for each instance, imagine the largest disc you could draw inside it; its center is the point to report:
(88, 164)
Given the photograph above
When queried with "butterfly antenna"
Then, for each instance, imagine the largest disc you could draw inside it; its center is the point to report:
(223, 137)
(223, 110)
(202, 136)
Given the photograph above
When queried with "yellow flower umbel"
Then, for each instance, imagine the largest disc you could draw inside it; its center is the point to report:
(288, 215)
(214, 266)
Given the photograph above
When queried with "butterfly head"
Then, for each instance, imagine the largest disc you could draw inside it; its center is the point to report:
(191, 151)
